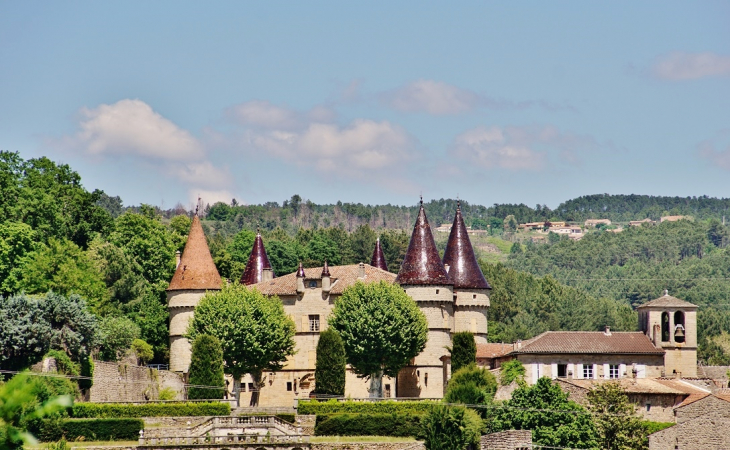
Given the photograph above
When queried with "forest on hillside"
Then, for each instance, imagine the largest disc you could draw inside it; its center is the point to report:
(56, 236)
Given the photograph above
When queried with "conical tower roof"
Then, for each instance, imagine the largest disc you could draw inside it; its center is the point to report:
(378, 259)
(257, 262)
(196, 269)
(422, 264)
(459, 256)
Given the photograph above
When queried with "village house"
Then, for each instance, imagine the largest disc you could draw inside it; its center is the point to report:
(638, 223)
(674, 218)
(595, 222)
(703, 421)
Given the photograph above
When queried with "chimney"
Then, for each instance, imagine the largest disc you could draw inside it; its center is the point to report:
(268, 274)
(361, 271)
(326, 280)
(300, 279)
(657, 333)
(177, 259)
(608, 331)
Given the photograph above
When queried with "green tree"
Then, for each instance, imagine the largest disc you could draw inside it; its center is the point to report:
(451, 428)
(362, 241)
(510, 223)
(16, 240)
(510, 371)
(516, 248)
(151, 316)
(618, 425)
(19, 405)
(329, 374)
(121, 275)
(30, 326)
(471, 385)
(143, 351)
(394, 244)
(382, 329)
(545, 409)
(463, 350)
(320, 249)
(255, 333)
(283, 256)
(206, 368)
(148, 242)
(117, 335)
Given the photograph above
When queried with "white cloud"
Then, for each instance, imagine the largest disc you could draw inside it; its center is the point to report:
(131, 127)
(518, 148)
(433, 97)
(691, 66)
(200, 174)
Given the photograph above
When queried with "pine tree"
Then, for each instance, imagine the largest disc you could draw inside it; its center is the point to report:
(463, 350)
(329, 375)
(206, 368)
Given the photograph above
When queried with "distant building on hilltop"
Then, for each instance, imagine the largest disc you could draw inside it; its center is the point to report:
(595, 222)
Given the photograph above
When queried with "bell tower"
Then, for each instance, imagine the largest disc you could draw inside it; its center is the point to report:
(671, 324)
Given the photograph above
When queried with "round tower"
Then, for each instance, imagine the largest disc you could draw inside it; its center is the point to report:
(423, 276)
(471, 289)
(195, 275)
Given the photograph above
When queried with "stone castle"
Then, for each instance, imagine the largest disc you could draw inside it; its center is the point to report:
(451, 292)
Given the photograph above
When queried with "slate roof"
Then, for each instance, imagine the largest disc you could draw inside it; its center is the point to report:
(341, 277)
(590, 342)
(258, 260)
(378, 259)
(464, 270)
(196, 269)
(422, 263)
(667, 300)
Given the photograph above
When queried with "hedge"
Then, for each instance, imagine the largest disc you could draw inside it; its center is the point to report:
(402, 425)
(173, 409)
(89, 429)
(653, 427)
(365, 407)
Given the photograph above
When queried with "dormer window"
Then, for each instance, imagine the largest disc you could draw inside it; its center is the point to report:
(312, 284)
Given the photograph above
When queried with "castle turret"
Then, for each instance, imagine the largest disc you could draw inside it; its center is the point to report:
(471, 289)
(378, 259)
(258, 267)
(195, 274)
(424, 277)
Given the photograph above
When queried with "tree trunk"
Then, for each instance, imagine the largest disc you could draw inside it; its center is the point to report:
(257, 388)
(376, 385)
(237, 388)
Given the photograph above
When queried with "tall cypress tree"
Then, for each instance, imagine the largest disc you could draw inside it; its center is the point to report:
(329, 376)
(206, 368)
(463, 350)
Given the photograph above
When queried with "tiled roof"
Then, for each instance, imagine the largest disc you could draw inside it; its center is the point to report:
(341, 276)
(422, 263)
(682, 385)
(667, 300)
(590, 342)
(196, 269)
(493, 350)
(258, 260)
(696, 397)
(459, 256)
(629, 385)
(378, 259)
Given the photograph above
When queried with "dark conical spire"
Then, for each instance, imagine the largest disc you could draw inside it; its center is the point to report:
(258, 261)
(300, 271)
(326, 269)
(378, 259)
(196, 269)
(459, 256)
(422, 264)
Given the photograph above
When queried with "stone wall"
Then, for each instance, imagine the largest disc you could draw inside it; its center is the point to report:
(707, 405)
(537, 366)
(369, 446)
(507, 440)
(120, 382)
(708, 432)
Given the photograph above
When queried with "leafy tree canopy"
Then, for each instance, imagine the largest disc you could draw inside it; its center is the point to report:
(329, 374)
(618, 425)
(463, 350)
(206, 368)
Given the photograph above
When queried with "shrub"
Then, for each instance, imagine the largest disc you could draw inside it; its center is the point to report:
(143, 350)
(653, 427)
(167, 393)
(368, 425)
(206, 368)
(117, 410)
(471, 385)
(117, 334)
(60, 445)
(463, 350)
(451, 428)
(511, 371)
(86, 370)
(90, 429)
(287, 417)
(63, 362)
(330, 369)
(380, 407)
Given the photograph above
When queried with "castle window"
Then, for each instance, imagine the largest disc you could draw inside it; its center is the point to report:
(474, 296)
(588, 371)
(387, 391)
(250, 387)
(437, 291)
(288, 386)
(314, 322)
(313, 283)
(562, 370)
(665, 327)
(648, 407)
(613, 371)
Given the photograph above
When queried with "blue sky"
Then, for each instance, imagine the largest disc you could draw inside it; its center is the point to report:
(372, 102)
